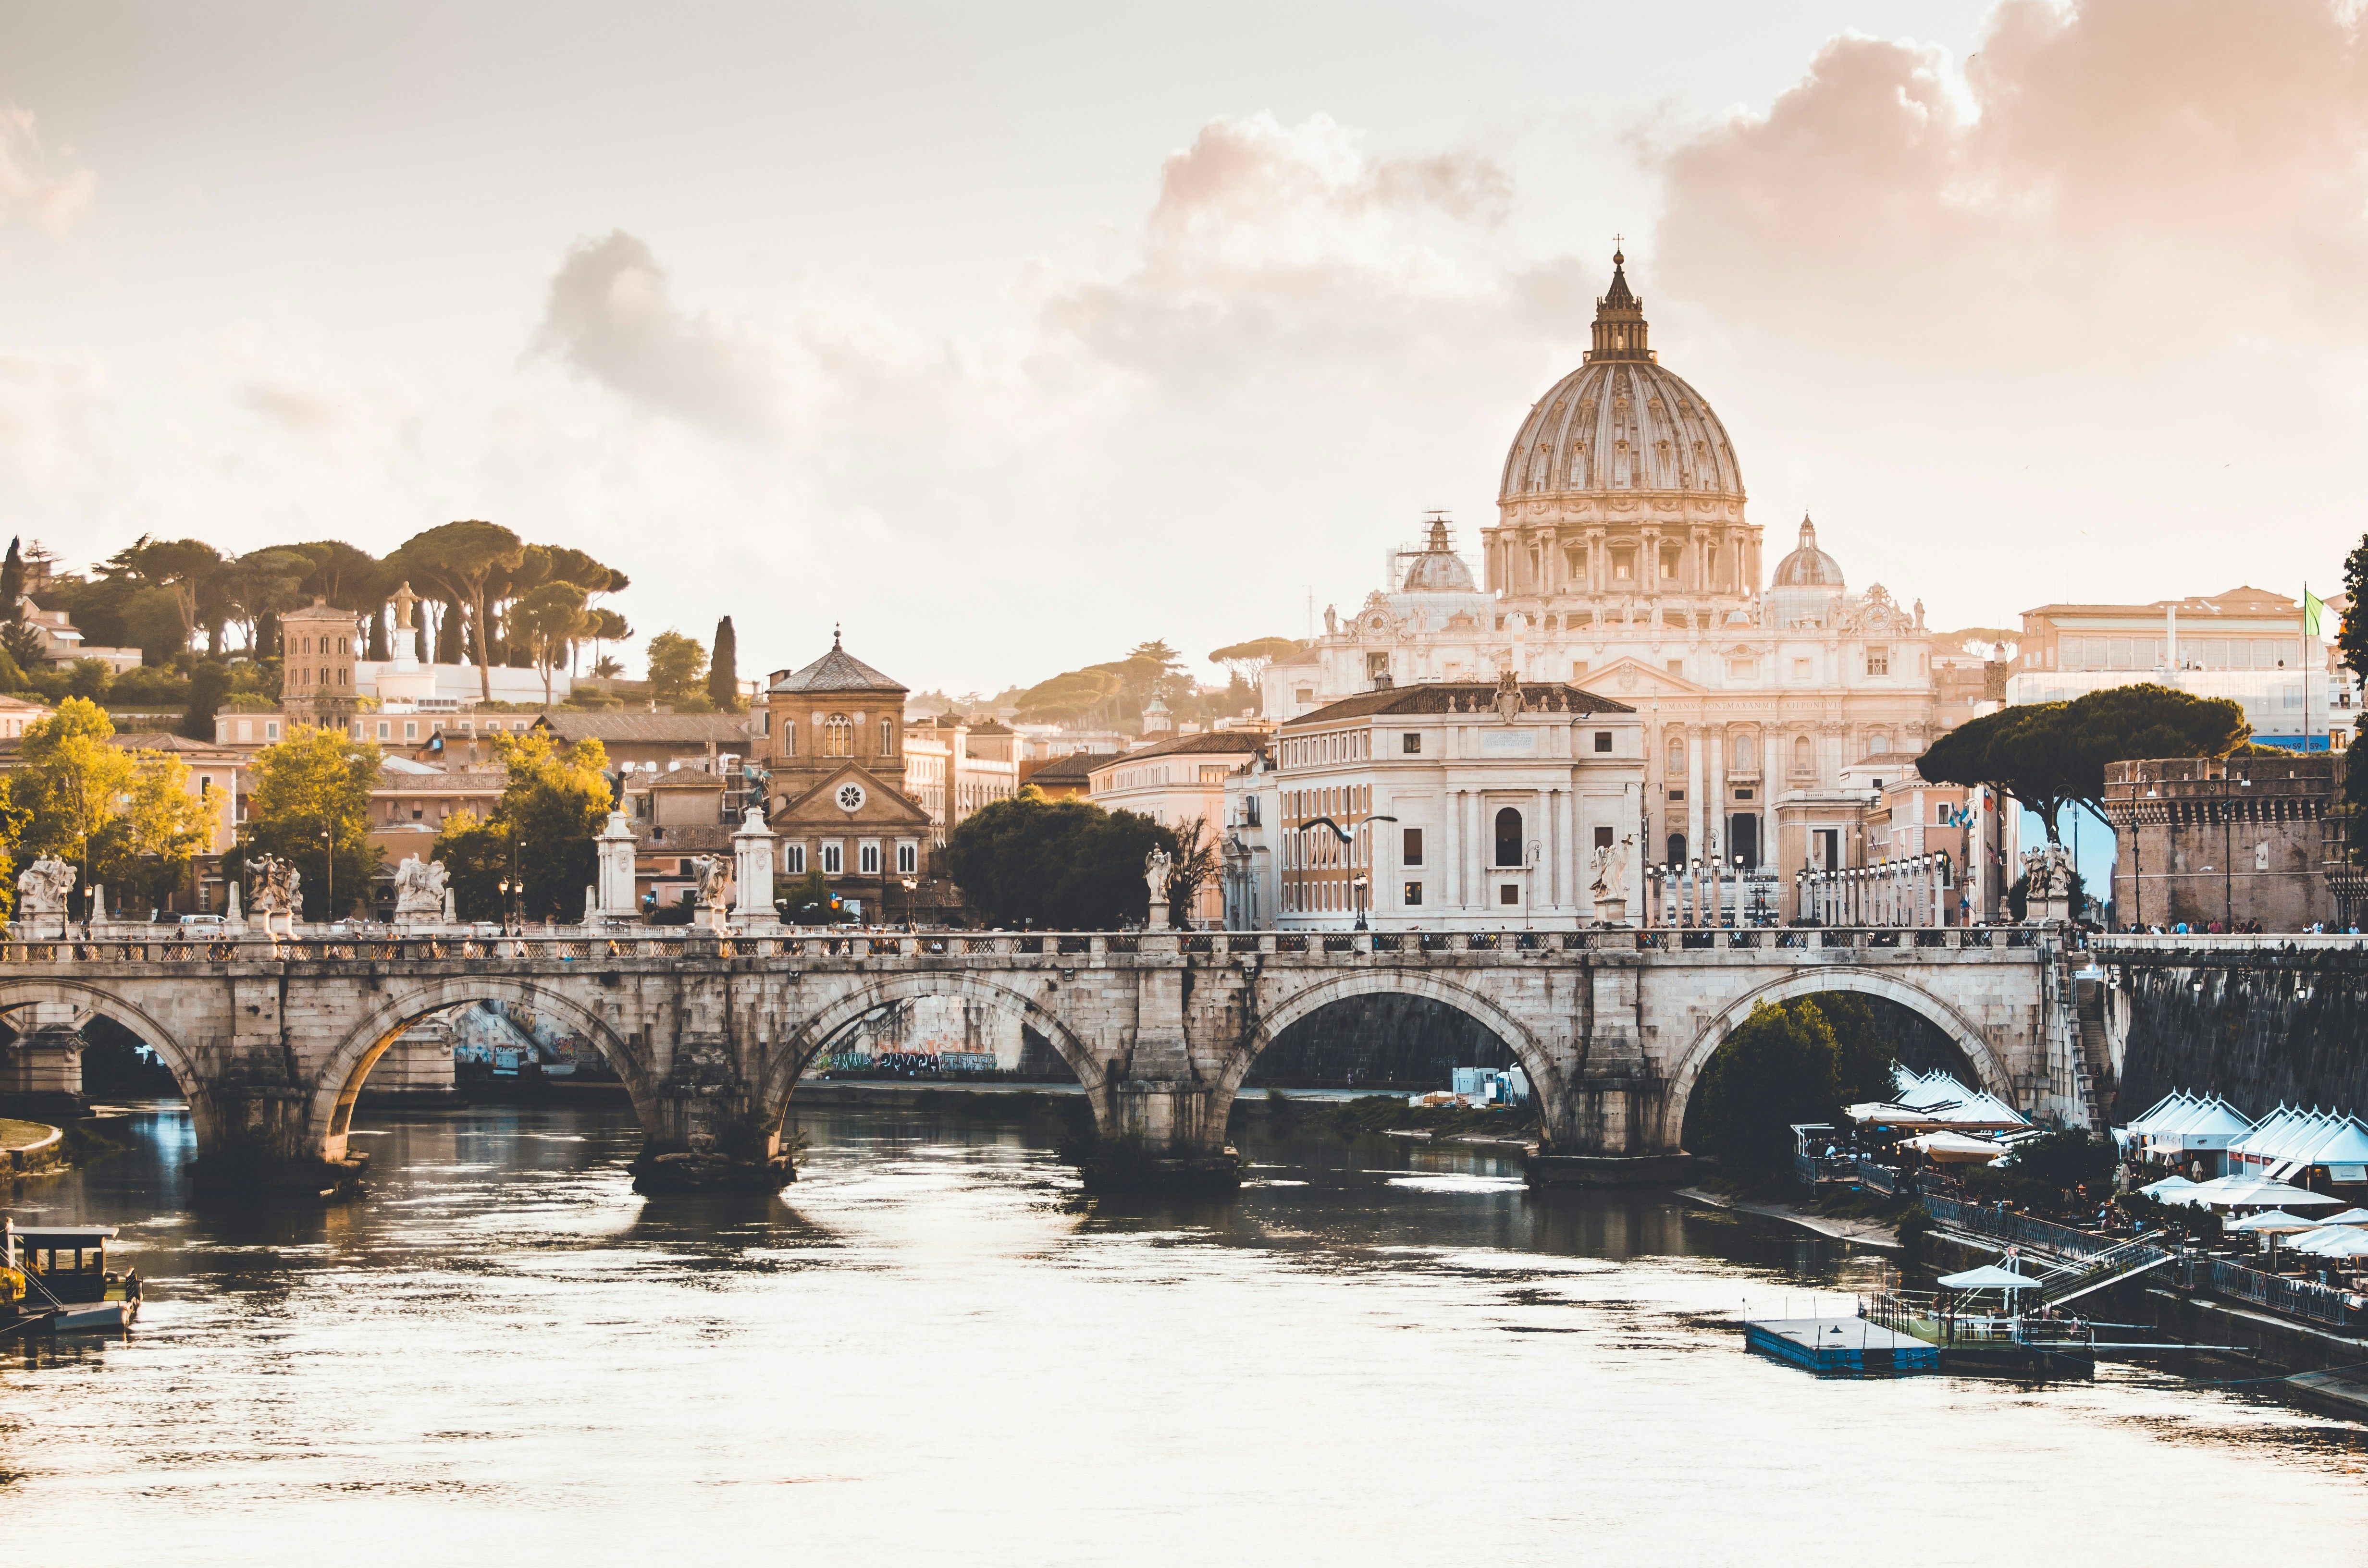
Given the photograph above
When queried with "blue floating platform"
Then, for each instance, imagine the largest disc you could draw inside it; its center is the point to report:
(1842, 1348)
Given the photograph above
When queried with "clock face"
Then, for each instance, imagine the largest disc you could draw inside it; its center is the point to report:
(850, 797)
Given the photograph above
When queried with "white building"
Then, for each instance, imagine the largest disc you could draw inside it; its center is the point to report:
(1622, 562)
(1177, 783)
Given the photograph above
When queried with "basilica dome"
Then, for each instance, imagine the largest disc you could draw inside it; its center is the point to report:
(1620, 422)
(1807, 566)
(1436, 568)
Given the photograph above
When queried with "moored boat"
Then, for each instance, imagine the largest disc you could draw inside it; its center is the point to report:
(54, 1279)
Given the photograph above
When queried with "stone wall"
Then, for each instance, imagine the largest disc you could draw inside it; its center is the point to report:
(2261, 1026)
(2238, 840)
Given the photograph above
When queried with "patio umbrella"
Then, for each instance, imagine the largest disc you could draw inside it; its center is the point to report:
(1955, 1148)
(2271, 1222)
(2349, 1217)
(2332, 1241)
(1989, 1277)
(2168, 1189)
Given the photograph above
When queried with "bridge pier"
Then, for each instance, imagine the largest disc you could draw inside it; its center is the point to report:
(705, 1130)
(41, 1069)
(1162, 1135)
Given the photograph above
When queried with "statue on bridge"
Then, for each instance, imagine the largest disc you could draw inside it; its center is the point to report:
(419, 888)
(2047, 886)
(715, 874)
(272, 885)
(1610, 881)
(42, 887)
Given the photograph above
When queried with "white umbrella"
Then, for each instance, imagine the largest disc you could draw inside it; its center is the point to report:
(1989, 1277)
(2254, 1192)
(1955, 1148)
(2332, 1241)
(2271, 1222)
(2168, 1189)
(2349, 1217)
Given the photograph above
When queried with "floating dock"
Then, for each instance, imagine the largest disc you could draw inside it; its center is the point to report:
(1842, 1348)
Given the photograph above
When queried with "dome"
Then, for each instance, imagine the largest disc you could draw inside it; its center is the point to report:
(1438, 569)
(1620, 421)
(1807, 566)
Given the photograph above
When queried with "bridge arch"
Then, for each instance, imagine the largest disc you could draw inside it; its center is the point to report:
(1967, 1036)
(1545, 1076)
(83, 997)
(330, 1111)
(788, 1064)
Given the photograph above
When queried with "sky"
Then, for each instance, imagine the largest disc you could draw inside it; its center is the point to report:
(1011, 335)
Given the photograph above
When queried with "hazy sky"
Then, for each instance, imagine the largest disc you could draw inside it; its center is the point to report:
(1013, 335)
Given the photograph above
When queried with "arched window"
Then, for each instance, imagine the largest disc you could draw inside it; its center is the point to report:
(1677, 756)
(887, 739)
(1800, 753)
(838, 736)
(1746, 755)
(1677, 849)
(1508, 837)
(1877, 743)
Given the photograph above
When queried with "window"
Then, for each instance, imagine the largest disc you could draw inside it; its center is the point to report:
(908, 858)
(1677, 794)
(1743, 669)
(1577, 669)
(838, 736)
(1878, 661)
(830, 858)
(1377, 667)
(1743, 792)
(1678, 668)
(1677, 755)
(1410, 851)
(1509, 892)
(383, 729)
(1413, 896)
(1877, 743)
(1800, 753)
(1746, 755)
(1677, 849)
(887, 738)
(1602, 739)
(271, 728)
(411, 728)
(1940, 816)
(1508, 837)
(793, 859)
(1603, 838)
(1576, 557)
(1306, 694)
(867, 857)
(1624, 565)
(1799, 669)
(789, 740)
(1668, 565)
(1410, 744)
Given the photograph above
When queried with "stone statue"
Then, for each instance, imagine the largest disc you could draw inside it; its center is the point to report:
(419, 888)
(273, 885)
(41, 887)
(1331, 621)
(403, 600)
(1610, 867)
(1156, 868)
(1509, 694)
(715, 874)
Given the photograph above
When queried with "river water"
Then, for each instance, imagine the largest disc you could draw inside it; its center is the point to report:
(933, 1349)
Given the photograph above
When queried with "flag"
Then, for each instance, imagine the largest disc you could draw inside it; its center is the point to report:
(2312, 607)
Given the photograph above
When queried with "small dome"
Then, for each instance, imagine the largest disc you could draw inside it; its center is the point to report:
(1439, 570)
(1807, 566)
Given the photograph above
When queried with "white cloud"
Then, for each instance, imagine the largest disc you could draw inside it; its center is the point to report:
(55, 454)
(28, 190)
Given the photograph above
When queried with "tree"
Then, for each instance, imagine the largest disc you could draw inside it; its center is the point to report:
(22, 644)
(12, 583)
(2351, 642)
(70, 782)
(606, 626)
(555, 804)
(155, 621)
(1783, 1066)
(183, 568)
(1056, 864)
(1248, 661)
(2049, 755)
(459, 560)
(208, 687)
(161, 825)
(13, 820)
(1194, 868)
(676, 662)
(809, 901)
(548, 620)
(256, 588)
(724, 669)
(309, 801)
(345, 576)
(1064, 698)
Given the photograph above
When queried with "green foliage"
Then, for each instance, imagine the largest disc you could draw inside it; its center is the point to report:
(209, 684)
(1065, 698)
(23, 646)
(12, 583)
(149, 687)
(71, 780)
(459, 563)
(2049, 755)
(308, 802)
(142, 853)
(1060, 865)
(724, 669)
(676, 662)
(1783, 1066)
(808, 902)
(2044, 1168)
(12, 674)
(553, 805)
(90, 679)
(548, 620)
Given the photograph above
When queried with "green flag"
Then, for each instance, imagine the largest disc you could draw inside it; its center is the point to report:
(2312, 607)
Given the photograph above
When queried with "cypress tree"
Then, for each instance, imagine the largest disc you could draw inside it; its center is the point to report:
(12, 584)
(377, 644)
(724, 669)
(448, 635)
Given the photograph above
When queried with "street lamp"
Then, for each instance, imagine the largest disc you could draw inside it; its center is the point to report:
(329, 879)
(1357, 884)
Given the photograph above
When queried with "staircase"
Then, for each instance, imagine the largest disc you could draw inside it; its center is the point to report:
(2099, 1271)
(2093, 1060)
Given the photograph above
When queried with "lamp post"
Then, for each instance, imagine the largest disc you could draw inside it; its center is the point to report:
(329, 876)
(1357, 884)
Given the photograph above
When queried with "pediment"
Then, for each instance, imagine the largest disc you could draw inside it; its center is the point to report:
(1628, 678)
(818, 808)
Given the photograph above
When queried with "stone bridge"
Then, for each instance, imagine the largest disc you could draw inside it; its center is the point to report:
(272, 1038)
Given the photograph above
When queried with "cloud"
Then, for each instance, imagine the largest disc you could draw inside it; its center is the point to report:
(55, 450)
(610, 317)
(1290, 250)
(27, 191)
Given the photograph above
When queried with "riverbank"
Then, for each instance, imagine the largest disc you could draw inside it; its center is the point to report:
(1856, 1229)
(30, 1148)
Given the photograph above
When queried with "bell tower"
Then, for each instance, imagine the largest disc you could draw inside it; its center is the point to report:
(319, 646)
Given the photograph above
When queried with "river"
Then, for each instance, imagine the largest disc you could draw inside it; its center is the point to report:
(931, 1348)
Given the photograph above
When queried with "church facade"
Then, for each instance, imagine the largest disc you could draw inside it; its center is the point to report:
(1623, 562)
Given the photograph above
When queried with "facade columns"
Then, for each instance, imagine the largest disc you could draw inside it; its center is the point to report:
(1715, 743)
(1695, 843)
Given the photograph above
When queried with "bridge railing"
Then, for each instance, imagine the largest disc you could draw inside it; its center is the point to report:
(313, 945)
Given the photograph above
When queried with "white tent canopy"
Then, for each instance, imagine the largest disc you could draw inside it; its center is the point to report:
(1933, 1101)
(2290, 1139)
(2332, 1241)
(1989, 1277)
(2251, 1192)
(1955, 1148)
(2270, 1223)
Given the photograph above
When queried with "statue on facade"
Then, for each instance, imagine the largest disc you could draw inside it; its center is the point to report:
(419, 889)
(715, 874)
(1331, 621)
(272, 886)
(1157, 866)
(42, 887)
(1509, 694)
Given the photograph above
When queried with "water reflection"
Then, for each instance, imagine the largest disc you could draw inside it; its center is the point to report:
(934, 1346)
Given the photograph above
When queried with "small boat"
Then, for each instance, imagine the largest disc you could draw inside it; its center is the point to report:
(54, 1279)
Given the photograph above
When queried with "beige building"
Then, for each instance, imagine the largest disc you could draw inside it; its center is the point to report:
(1623, 560)
(953, 769)
(833, 737)
(1450, 805)
(1177, 783)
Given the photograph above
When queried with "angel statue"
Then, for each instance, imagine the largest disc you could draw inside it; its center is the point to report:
(419, 888)
(715, 874)
(41, 887)
(1157, 867)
